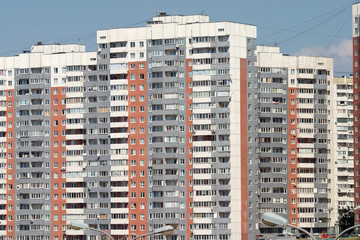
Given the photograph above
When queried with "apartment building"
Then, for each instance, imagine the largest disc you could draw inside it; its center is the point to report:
(355, 31)
(185, 79)
(182, 122)
(34, 122)
(343, 143)
(290, 138)
(150, 130)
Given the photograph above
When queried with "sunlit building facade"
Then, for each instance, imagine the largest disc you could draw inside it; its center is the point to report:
(182, 122)
(291, 140)
(150, 130)
(355, 30)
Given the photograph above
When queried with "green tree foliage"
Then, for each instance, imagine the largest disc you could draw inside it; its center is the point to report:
(347, 220)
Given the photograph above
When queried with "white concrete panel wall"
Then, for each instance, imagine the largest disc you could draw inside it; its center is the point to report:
(57, 48)
(182, 19)
(355, 19)
(238, 35)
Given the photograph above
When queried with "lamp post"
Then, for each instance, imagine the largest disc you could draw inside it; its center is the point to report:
(328, 217)
(166, 230)
(272, 220)
(76, 225)
(338, 221)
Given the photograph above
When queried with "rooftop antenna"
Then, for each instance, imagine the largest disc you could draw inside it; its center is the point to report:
(275, 44)
(203, 11)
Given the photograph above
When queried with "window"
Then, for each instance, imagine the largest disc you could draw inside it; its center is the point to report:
(141, 65)
(132, 44)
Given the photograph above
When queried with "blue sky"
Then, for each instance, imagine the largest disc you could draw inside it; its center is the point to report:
(309, 27)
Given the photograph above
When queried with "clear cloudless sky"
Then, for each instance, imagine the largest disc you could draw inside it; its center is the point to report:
(310, 27)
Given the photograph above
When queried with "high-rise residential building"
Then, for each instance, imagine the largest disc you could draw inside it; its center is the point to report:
(150, 130)
(342, 167)
(355, 31)
(182, 122)
(289, 138)
(37, 117)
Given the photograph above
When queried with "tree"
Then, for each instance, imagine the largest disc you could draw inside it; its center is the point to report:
(346, 216)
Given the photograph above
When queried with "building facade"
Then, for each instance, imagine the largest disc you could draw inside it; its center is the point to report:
(182, 122)
(186, 80)
(343, 144)
(148, 131)
(355, 31)
(34, 143)
(291, 140)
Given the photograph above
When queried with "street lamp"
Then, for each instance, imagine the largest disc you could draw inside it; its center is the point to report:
(272, 220)
(328, 210)
(76, 225)
(166, 230)
(338, 221)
